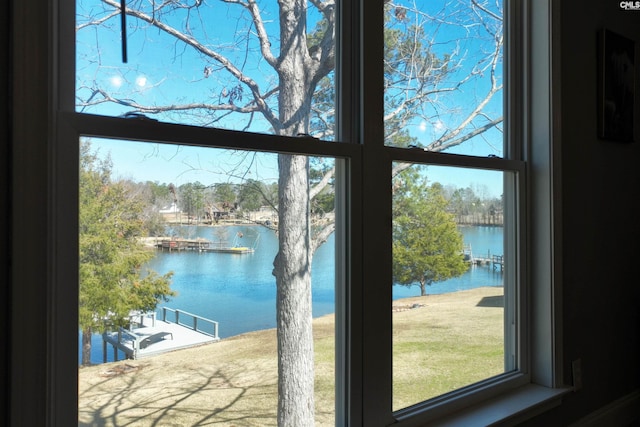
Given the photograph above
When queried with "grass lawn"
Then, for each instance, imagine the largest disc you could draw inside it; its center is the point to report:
(450, 341)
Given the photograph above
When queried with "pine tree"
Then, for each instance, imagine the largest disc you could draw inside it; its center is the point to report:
(112, 283)
(427, 246)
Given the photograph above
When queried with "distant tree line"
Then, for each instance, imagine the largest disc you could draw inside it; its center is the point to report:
(207, 203)
(197, 202)
(474, 205)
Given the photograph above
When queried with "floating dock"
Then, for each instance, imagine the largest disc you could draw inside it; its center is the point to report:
(201, 245)
(149, 336)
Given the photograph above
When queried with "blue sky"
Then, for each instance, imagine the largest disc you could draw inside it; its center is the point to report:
(163, 72)
(166, 163)
(178, 165)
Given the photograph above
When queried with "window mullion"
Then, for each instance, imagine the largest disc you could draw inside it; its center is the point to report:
(349, 285)
(376, 224)
(66, 55)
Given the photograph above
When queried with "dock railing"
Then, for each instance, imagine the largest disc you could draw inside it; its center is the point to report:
(127, 335)
(125, 340)
(498, 262)
(192, 321)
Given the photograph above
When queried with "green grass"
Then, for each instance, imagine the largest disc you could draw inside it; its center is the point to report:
(454, 343)
(451, 342)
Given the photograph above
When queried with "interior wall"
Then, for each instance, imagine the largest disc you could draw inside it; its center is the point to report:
(600, 222)
(5, 164)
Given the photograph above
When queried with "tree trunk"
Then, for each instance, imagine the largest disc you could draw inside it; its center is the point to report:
(293, 279)
(423, 288)
(86, 346)
(296, 405)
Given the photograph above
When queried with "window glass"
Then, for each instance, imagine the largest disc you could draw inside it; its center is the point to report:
(178, 299)
(449, 281)
(231, 65)
(214, 220)
(443, 76)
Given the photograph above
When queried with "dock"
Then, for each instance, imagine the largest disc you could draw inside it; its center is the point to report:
(201, 245)
(149, 335)
(495, 261)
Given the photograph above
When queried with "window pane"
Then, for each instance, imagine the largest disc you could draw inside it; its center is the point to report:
(229, 65)
(202, 228)
(450, 226)
(443, 75)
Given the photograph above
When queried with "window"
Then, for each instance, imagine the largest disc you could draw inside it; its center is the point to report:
(270, 85)
(455, 247)
(208, 287)
(443, 81)
(364, 192)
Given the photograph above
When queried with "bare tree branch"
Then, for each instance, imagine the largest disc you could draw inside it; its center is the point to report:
(325, 56)
(324, 182)
(106, 97)
(265, 44)
(98, 21)
(451, 138)
(467, 136)
(221, 59)
(321, 236)
(486, 10)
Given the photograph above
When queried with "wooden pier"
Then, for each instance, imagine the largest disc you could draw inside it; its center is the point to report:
(495, 261)
(201, 245)
(149, 335)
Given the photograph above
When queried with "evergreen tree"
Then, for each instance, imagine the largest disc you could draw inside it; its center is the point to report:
(252, 195)
(427, 246)
(112, 283)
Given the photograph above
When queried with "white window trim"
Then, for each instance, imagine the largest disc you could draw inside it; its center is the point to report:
(540, 127)
(539, 382)
(42, 393)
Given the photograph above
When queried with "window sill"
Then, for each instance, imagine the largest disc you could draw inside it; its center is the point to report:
(508, 409)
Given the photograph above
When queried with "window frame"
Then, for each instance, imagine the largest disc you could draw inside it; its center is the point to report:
(73, 125)
(378, 373)
(515, 337)
(38, 32)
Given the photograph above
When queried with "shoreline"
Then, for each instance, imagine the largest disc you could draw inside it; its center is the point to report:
(399, 305)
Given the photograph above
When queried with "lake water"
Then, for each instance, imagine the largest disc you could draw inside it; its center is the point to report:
(239, 291)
